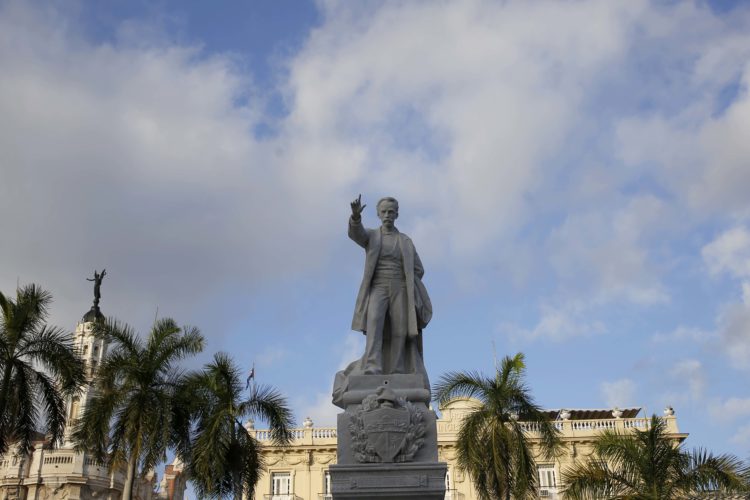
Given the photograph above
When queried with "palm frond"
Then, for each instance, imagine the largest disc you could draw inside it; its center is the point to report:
(492, 444)
(52, 347)
(268, 404)
(122, 335)
(708, 472)
(651, 464)
(53, 403)
(454, 385)
(23, 409)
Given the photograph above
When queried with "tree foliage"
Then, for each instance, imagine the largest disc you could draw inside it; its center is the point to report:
(130, 418)
(223, 458)
(650, 465)
(493, 446)
(39, 369)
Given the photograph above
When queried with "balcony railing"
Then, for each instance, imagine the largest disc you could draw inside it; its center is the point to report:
(320, 435)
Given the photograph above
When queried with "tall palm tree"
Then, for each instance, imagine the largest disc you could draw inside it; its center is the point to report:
(223, 459)
(39, 369)
(129, 418)
(493, 445)
(650, 465)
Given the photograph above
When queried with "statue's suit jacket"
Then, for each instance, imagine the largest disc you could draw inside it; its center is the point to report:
(419, 306)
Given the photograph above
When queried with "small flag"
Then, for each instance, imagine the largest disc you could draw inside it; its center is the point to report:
(250, 377)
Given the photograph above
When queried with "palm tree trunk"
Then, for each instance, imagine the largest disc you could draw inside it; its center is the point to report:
(4, 391)
(5, 387)
(127, 489)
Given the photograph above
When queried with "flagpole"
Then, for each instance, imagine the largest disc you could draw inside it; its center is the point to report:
(253, 372)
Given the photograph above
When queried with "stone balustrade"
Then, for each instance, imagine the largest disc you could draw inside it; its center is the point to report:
(310, 436)
(59, 462)
(572, 428)
(448, 429)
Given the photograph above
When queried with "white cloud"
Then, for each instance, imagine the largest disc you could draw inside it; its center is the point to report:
(602, 255)
(691, 373)
(271, 355)
(464, 79)
(467, 110)
(139, 159)
(729, 252)
(734, 330)
(730, 409)
(321, 411)
(742, 436)
(683, 334)
(354, 346)
(698, 154)
(557, 324)
(619, 393)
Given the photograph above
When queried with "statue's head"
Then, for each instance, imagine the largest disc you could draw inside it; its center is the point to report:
(387, 211)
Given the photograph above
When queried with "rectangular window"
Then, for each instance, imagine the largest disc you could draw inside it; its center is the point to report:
(281, 486)
(547, 476)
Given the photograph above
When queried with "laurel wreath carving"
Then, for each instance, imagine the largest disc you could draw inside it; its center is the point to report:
(413, 440)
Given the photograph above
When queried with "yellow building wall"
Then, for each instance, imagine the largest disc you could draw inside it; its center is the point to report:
(314, 450)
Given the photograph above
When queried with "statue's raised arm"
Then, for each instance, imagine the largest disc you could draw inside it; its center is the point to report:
(357, 208)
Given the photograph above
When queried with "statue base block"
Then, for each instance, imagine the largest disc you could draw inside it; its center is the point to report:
(410, 388)
(417, 481)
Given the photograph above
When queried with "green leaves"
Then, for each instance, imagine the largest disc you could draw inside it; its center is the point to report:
(38, 369)
(133, 412)
(223, 458)
(492, 445)
(651, 465)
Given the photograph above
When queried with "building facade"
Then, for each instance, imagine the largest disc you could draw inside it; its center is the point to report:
(300, 471)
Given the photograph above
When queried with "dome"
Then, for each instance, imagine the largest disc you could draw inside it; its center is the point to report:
(93, 315)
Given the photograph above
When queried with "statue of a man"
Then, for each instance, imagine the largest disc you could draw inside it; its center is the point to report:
(98, 277)
(392, 304)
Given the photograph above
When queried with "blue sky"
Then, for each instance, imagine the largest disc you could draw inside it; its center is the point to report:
(574, 176)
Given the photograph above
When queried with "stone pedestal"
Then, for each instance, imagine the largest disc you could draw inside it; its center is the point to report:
(418, 481)
(387, 441)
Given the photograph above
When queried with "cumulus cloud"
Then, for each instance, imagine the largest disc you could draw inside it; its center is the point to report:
(137, 158)
(730, 409)
(729, 252)
(560, 144)
(620, 393)
(683, 334)
(321, 411)
(557, 324)
(742, 436)
(603, 255)
(690, 372)
(353, 347)
(734, 330)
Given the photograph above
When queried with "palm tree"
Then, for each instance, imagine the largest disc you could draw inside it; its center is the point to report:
(650, 465)
(39, 369)
(223, 459)
(129, 418)
(493, 444)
